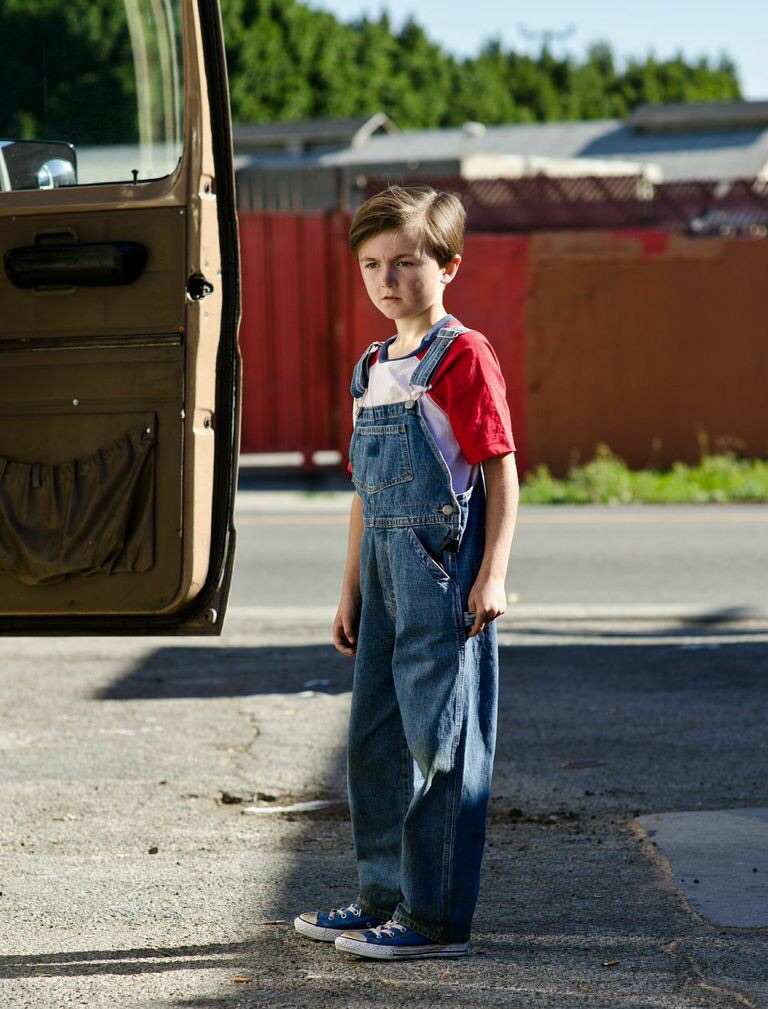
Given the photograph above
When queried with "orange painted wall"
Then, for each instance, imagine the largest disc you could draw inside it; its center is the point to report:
(648, 342)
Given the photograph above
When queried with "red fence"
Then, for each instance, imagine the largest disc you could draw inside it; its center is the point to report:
(286, 333)
(636, 337)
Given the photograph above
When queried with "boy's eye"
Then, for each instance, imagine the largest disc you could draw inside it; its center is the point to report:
(400, 262)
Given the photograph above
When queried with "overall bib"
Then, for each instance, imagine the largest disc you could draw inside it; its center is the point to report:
(422, 727)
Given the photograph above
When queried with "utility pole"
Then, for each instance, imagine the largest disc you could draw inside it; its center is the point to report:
(547, 35)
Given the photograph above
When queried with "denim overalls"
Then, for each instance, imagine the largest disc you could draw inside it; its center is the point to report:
(422, 727)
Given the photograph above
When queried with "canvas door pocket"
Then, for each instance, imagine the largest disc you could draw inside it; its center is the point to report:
(380, 457)
(88, 515)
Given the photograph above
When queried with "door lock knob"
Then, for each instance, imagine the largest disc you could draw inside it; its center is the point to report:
(198, 287)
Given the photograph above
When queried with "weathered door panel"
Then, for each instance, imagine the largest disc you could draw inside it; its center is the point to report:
(119, 402)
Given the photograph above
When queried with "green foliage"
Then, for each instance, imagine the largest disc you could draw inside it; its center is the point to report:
(288, 62)
(68, 73)
(606, 479)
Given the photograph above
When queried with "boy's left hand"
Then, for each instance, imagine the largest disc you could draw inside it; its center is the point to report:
(487, 600)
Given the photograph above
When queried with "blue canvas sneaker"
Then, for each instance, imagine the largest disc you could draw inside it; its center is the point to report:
(393, 941)
(328, 925)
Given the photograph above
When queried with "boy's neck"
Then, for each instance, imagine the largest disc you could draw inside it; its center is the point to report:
(412, 330)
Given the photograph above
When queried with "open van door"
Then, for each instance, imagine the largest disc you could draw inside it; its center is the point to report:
(119, 288)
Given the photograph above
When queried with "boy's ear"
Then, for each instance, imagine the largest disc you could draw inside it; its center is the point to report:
(450, 269)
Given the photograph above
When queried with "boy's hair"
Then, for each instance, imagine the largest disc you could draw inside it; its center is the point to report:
(438, 219)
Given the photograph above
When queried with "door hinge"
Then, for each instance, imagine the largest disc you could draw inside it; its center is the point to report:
(198, 287)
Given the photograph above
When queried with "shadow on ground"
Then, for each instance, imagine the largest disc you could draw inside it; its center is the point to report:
(577, 907)
(122, 961)
(177, 671)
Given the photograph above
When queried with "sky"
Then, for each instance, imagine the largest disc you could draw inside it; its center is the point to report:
(701, 28)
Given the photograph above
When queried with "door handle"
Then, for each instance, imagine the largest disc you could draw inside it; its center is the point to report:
(75, 264)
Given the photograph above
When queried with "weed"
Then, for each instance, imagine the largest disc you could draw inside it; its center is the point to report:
(607, 479)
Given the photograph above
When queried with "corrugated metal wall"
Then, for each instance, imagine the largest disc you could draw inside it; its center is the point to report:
(286, 334)
(633, 337)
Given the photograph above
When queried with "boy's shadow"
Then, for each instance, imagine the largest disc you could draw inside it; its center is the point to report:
(179, 671)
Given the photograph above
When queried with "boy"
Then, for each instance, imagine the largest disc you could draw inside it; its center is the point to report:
(431, 526)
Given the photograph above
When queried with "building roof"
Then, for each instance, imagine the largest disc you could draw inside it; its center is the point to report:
(350, 131)
(682, 153)
(677, 116)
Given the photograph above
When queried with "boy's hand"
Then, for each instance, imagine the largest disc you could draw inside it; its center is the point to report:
(346, 624)
(487, 600)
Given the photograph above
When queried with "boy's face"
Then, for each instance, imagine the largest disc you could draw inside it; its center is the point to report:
(401, 278)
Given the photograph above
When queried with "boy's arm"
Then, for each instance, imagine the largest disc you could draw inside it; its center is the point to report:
(347, 619)
(488, 598)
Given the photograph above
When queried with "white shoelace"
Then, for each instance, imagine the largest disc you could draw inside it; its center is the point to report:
(342, 911)
(387, 929)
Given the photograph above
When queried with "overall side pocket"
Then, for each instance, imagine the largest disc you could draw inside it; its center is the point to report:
(425, 557)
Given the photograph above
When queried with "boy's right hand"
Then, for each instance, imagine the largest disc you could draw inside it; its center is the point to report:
(345, 626)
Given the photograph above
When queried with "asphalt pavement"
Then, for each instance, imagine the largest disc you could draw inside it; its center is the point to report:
(146, 861)
(566, 560)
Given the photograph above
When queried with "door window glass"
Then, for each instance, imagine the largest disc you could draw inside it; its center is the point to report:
(92, 91)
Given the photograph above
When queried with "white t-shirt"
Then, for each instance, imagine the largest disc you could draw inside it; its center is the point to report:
(465, 411)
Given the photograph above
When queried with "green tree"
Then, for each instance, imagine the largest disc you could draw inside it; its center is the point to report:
(288, 62)
(422, 79)
(376, 60)
(482, 89)
(67, 72)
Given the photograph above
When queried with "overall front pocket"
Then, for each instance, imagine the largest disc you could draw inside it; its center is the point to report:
(380, 457)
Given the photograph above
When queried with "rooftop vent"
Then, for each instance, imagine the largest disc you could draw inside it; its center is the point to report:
(473, 129)
(683, 117)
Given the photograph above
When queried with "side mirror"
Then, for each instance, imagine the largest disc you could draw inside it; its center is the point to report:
(56, 172)
(37, 164)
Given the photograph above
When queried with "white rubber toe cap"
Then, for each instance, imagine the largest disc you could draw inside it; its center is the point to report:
(306, 924)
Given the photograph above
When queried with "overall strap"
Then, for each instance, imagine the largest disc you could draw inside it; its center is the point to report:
(438, 348)
(360, 374)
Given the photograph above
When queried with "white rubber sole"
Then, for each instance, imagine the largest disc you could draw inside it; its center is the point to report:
(315, 931)
(347, 943)
(311, 931)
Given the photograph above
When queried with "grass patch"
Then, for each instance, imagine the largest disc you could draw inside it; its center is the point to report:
(608, 480)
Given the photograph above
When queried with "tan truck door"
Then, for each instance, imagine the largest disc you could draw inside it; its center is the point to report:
(119, 290)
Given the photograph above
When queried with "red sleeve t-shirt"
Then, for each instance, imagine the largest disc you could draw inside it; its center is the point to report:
(470, 388)
(467, 386)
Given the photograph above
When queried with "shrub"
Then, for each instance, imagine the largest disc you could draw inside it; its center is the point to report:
(607, 479)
